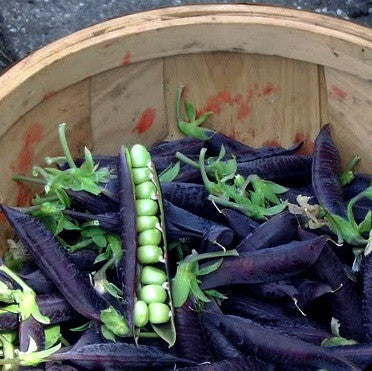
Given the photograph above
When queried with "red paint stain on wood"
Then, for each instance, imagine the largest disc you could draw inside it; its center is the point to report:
(244, 111)
(308, 146)
(49, 95)
(337, 93)
(271, 143)
(215, 102)
(126, 59)
(146, 120)
(269, 89)
(25, 160)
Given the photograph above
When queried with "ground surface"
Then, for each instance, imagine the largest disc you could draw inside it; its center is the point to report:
(26, 25)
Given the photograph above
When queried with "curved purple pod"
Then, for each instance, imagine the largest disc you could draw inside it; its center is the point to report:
(367, 298)
(84, 201)
(282, 169)
(109, 221)
(56, 263)
(358, 185)
(292, 193)
(188, 222)
(361, 354)
(232, 146)
(326, 173)
(38, 281)
(191, 342)
(90, 336)
(345, 301)
(188, 146)
(30, 328)
(275, 347)
(128, 234)
(191, 197)
(271, 264)
(265, 152)
(117, 356)
(241, 224)
(309, 290)
(278, 230)
(84, 258)
(241, 364)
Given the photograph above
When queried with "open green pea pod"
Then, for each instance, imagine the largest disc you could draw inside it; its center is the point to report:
(145, 278)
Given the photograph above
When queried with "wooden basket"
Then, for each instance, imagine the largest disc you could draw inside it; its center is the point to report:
(271, 75)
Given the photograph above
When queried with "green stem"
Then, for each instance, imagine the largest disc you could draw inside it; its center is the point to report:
(31, 179)
(208, 184)
(178, 102)
(226, 203)
(42, 172)
(41, 200)
(55, 160)
(8, 351)
(81, 245)
(15, 278)
(65, 147)
(350, 206)
(187, 160)
(64, 341)
(148, 335)
(210, 255)
(353, 162)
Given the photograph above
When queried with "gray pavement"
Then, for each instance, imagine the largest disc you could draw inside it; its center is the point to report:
(27, 25)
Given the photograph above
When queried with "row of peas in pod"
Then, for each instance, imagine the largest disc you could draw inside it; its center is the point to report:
(153, 288)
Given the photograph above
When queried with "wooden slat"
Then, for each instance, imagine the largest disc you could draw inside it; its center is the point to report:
(350, 113)
(127, 106)
(36, 136)
(257, 99)
(167, 32)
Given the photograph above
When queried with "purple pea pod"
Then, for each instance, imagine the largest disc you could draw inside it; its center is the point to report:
(55, 307)
(345, 302)
(326, 173)
(266, 265)
(60, 368)
(5, 279)
(191, 197)
(232, 146)
(84, 259)
(56, 263)
(282, 169)
(358, 185)
(241, 224)
(128, 233)
(191, 342)
(278, 230)
(118, 356)
(305, 190)
(188, 146)
(189, 222)
(275, 290)
(90, 336)
(241, 364)
(275, 347)
(31, 329)
(360, 355)
(265, 152)
(189, 175)
(109, 221)
(367, 298)
(91, 203)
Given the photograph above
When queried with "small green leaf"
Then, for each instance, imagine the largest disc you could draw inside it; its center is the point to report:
(366, 224)
(190, 111)
(108, 334)
(100, 241)
(13, 308)
(170, 173)
(200, 120)
(35, 358)
(180, 287)
(115, 322)
(52, 335)
(337, 341)
(193, 131)
(197, 291)
(345, 230)
(215, 294)
(210, 268)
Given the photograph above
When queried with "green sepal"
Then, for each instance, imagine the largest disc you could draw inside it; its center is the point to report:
(52, 335)
(108, 334)
(83, 327)
(170, 173)
(115, 322)
(35, 358)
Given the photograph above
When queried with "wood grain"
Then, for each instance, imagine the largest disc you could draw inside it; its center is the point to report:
(256, 99)
(36, 136)
(191, 29)
(350, 113)
(127, 106)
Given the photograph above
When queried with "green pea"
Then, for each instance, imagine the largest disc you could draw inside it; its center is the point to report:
(141, 174)
(141, 314)
(146, 190)
(149, 237)
(149, 254)
(140, 156)
(146, 207)
(151, 275)
(153, 294)
(159, 313)
(147, 222)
